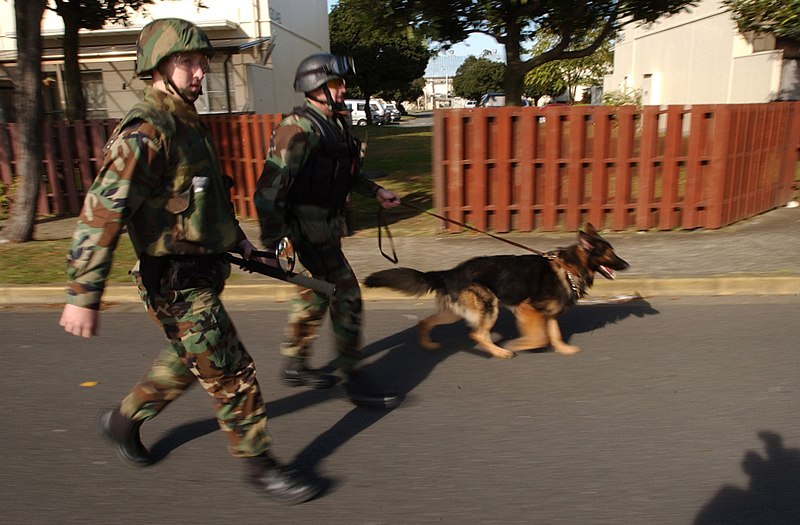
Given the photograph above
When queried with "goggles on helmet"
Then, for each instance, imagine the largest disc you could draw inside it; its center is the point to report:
(339, 65)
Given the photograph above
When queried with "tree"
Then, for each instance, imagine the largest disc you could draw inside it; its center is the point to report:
(28, 100)
(477, 76)
(385, 60)
(409, 92)
(778, 18)
(86, 14)
(513, 23)
(553, 78)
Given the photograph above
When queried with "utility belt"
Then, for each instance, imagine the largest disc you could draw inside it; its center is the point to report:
(179, 272)
(317, 225)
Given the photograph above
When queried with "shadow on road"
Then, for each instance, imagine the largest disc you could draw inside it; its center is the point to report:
(400, 365)
(581, 319)
(772, 496)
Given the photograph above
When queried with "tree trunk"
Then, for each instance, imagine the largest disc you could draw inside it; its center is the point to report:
(30, 116)
(73, 90)
(515, 69)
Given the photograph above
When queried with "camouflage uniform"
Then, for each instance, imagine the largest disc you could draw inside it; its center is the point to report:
(316, 231)
(161, 179)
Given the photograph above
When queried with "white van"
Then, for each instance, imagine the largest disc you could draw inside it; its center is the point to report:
(379, 106)
(358, 115)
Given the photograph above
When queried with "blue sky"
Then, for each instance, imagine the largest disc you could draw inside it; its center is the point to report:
(474, 45)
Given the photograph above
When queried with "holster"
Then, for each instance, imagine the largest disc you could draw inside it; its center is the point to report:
(179, 272)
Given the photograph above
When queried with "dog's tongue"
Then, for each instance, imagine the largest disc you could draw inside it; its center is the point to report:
(608, 272)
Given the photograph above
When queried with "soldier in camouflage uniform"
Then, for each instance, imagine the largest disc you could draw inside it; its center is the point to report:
(161, 179)
(313, 164)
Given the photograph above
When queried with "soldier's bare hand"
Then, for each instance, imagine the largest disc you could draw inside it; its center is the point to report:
(387, 198)
(79, 321)
(247, 248)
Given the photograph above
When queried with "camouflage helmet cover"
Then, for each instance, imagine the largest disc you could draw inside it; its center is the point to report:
(319, 68)
(167, 36)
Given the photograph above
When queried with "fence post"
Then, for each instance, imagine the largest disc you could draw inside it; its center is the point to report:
(647, 165)
(791, 154)
(720, 140)
(626, 118)
(599, 165)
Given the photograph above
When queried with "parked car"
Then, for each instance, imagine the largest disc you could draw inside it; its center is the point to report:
(393, 112)
(358, 113)
(470, 104)
(494, 100)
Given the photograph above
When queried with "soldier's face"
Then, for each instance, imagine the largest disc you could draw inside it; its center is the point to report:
(338, 88)
(187, 70)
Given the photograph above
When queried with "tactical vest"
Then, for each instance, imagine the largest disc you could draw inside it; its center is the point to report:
(191, 213)
(328, 176)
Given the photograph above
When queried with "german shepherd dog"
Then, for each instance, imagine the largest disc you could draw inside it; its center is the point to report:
(536, 288)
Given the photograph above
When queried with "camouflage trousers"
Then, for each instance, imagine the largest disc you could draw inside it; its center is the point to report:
(203, 347)
(326, 262)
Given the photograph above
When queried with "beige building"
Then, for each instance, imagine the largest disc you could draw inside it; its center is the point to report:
(699, 57)
(258, 44)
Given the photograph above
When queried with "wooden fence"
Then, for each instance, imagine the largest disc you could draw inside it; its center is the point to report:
(526, 169)
(73, 154)
(522, 169)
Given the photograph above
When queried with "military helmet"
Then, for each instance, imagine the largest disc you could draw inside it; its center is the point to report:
(317, 69)
(167, 36)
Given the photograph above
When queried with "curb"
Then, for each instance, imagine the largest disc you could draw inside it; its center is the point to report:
(645, 287)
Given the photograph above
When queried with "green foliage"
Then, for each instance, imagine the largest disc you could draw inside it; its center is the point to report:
(779, 18)
(386, 61)
(477, 76)
(5, 201)
(627, 97)
(516, 23)
(93, 14)
(553, 78)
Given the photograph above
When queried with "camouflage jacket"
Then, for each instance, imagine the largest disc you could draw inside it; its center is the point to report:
(161, 179)
(293, 143)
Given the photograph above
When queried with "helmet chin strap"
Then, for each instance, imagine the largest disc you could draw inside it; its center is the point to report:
(175, 90)
(333, 106)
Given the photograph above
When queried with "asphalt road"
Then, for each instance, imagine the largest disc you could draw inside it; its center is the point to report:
(676, 412)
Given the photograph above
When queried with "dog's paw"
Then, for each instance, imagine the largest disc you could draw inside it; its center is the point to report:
(503, 354)
(567, 349)
(526, 343)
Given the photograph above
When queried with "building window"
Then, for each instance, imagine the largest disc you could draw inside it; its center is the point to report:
(95, 94)
(214, 98)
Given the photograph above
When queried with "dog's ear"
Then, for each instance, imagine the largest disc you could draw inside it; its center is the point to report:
(585, 241)
(586, 237)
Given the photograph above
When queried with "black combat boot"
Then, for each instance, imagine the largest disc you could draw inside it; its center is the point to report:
(362, 392)
(124, 433)
(297, 373)
(280, 483)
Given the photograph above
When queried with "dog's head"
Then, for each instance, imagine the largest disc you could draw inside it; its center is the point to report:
(600, 256)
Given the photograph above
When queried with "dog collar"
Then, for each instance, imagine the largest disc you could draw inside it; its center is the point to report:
(576, 290)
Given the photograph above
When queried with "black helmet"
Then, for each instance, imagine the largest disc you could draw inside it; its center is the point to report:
(317, 69)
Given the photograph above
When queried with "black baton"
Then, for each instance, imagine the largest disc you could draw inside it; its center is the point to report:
(323, 287)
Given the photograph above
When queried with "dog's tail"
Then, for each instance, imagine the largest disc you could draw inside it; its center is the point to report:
(406, 280)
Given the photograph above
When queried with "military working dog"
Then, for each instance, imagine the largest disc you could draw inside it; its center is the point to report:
(536, 288)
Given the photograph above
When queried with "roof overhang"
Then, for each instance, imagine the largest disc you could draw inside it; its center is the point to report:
(122, 52)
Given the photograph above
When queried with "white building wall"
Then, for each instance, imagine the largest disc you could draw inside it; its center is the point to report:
(297, 29)
(697, 57)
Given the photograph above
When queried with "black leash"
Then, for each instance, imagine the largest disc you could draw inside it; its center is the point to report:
(383, 225)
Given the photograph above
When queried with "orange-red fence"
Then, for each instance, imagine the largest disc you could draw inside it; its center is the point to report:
(555, 168)
(523, 169)
(73, 153)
